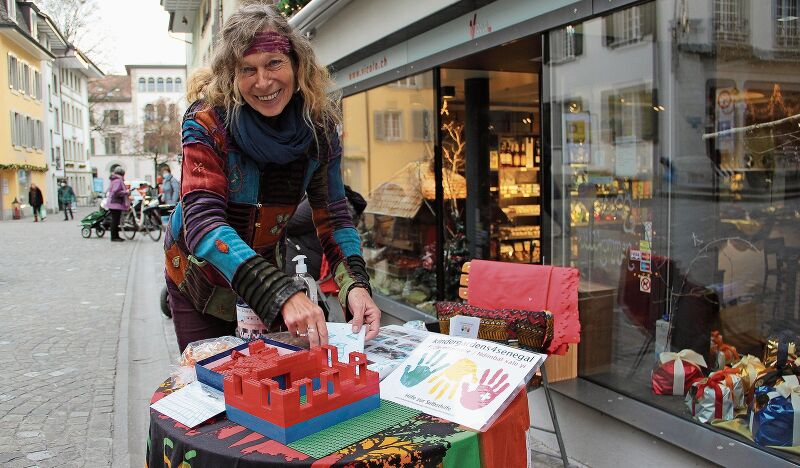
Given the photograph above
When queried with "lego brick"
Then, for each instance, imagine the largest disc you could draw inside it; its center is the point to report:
(287, 435)
(205, 368)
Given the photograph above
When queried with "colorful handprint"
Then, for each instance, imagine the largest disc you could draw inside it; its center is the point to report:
(485, 392)
(422, 371)
(449, 378)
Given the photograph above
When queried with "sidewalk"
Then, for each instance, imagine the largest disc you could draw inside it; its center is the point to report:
(62, 299)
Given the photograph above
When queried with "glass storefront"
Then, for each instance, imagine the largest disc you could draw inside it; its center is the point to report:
(655, 148)
(675, 180)
(387, 140)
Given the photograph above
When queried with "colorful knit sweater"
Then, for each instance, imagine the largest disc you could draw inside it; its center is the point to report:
(225, 235)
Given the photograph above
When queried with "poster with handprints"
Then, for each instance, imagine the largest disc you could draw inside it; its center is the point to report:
(464, 380)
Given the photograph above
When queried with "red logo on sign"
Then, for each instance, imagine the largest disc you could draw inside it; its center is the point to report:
(476, 28)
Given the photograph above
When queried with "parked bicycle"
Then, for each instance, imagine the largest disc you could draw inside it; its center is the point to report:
(144, 217)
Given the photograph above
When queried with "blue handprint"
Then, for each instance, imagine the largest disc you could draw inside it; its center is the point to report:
(423, 371)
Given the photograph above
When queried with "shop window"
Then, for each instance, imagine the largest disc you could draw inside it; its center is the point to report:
(395, 175)
(388, 125)
(787, 31)
(680, 210)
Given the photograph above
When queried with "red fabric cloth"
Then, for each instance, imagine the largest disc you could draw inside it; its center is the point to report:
(496, 285)
(504, 443)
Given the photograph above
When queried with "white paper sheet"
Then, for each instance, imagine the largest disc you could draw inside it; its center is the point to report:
(341, 335)
(464, 326)
(191, 405)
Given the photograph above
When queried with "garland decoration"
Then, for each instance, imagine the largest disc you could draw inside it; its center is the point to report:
(24, 167)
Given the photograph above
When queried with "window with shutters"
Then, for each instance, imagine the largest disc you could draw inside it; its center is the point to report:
(113, 117)
(388, 125)
(630, 26)
(13, 72)
(787, 29)
(421, 125)
(730, 21)
(566, 44)
(112, 143)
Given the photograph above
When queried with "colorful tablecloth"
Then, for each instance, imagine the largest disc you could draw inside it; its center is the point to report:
(420, 441)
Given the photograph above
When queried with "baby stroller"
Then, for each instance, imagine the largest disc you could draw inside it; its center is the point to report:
(99, 220)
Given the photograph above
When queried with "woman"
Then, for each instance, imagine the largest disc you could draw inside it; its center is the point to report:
(36, 200)
(259, 135)
(118, 201)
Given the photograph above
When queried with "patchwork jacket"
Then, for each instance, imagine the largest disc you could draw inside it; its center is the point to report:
(224, 238)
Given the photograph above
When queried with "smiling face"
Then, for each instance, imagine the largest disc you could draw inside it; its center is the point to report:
(266, 81)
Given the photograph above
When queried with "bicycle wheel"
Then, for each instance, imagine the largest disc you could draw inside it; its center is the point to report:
(151, 223)
(129, 226)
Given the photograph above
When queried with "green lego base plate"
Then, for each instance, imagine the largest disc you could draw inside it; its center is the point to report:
(349, 432)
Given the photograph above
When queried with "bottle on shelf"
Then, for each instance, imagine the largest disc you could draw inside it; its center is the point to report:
(516, 155)
(529, 150)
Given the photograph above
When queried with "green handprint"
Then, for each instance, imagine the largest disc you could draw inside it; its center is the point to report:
(422, 371)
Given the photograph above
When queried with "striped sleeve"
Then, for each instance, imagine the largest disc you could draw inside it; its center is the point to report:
(339, 238)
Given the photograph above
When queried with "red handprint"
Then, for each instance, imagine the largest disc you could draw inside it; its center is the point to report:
(485, 392)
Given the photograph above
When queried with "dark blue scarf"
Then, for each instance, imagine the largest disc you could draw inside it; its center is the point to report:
(284, 139)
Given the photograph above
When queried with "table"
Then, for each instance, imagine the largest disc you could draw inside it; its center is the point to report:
(421, 441)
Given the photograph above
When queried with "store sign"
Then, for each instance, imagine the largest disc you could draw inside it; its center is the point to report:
(483, 21)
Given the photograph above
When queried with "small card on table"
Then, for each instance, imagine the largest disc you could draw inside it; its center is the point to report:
(192, 405)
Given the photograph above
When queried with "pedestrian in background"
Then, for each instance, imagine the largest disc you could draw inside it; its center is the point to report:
(66, 197)
(170, 187)
(118, 201)
(36, 200)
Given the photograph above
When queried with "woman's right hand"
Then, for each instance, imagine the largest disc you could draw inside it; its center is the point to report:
(302, 316)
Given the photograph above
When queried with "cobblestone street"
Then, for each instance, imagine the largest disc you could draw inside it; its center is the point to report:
(63, 303)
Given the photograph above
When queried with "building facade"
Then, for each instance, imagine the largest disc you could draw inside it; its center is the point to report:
(74, 71)
(124, 110)
(47, 108)
(22, 122)
(652, 145)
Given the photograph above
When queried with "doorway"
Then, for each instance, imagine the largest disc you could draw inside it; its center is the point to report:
(491, 129)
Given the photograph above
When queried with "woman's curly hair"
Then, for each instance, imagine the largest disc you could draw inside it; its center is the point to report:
(217, 84)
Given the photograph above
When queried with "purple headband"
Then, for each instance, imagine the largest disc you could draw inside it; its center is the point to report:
(269, 41)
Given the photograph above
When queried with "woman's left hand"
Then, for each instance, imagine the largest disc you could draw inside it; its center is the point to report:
(364, 311)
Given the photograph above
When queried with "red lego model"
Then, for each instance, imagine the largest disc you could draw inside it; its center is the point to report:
(288, 397)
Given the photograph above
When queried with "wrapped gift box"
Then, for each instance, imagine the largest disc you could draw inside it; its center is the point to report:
(722, 353)
(677, 372)
(710, 399)
(731, 379)
(775, 414)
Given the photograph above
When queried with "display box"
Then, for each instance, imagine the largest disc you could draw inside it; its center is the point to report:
(205, 368)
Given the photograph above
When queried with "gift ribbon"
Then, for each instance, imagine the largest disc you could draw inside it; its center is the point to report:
(718, 346)
(679, 373)
(724, 375)
(790, 389)
(751, 366)
(715, 385)
(685, 355)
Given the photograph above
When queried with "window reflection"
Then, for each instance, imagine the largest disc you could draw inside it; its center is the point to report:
(388, 157)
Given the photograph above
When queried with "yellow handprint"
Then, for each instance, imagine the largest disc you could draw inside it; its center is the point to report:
(449, 378)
